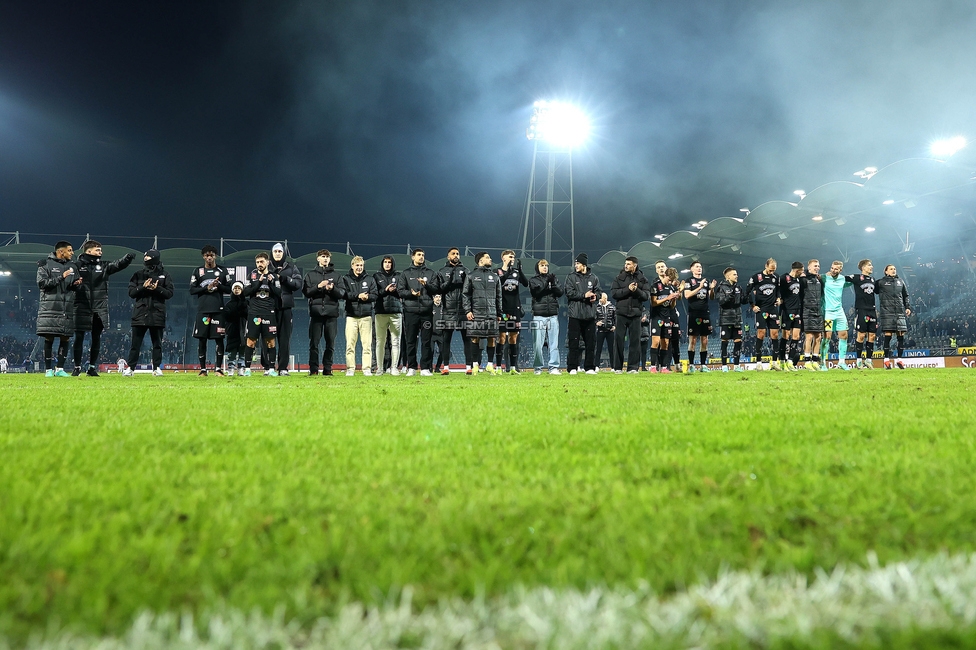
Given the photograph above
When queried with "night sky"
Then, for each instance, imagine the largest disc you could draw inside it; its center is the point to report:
(395, 122)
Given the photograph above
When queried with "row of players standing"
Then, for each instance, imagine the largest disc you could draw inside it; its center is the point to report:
(482, 305)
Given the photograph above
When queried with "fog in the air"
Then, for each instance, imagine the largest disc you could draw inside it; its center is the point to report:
(390, 122)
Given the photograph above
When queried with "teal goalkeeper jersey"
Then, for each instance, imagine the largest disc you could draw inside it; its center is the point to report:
(834, 296)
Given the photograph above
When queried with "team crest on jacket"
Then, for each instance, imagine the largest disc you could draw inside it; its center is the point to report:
(98, 267)
(206, 320)
(257, 321)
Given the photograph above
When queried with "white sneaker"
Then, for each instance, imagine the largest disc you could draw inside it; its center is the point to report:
(378, 373)
(591, 372)
(283, 373)
(573, 371)
(350, 373)
(157, 372)
(394, 371)
(426, 373)
(125, 373)
(538, 372)
(411, 372)
(369, 373)
(240, 371)
(555, 371)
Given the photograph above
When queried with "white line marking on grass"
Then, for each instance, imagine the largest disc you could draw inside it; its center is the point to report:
(856, 604)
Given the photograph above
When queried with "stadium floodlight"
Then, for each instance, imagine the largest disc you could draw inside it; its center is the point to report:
(659, 236)
(800, 193)
(558, 123)
(746, 210)
(866, 173)
(888, 202)
(869, 229)
(817, 217)
(947, 147)
(675, 256)
(686, 270)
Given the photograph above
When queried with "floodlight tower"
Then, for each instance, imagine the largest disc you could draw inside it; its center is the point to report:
(555, 130)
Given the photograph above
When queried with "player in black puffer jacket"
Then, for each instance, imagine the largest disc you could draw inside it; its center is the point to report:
(150, 287)
(58, 280)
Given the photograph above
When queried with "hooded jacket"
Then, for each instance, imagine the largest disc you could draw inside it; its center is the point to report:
(545, 291)
(482, 295)
(410, 282)
(387, 302)
(55, 310)
(91, 296)
(893, 300)
(322, 302)
(291, 281)
(149, 309)
(577, 284)
(352, 286)
(730, 298)
(630, 303)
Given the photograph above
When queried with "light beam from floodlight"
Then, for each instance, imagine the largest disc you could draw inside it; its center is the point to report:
(947, 147)
(558, 123)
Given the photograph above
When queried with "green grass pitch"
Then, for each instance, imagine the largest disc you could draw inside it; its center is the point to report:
(186, 495)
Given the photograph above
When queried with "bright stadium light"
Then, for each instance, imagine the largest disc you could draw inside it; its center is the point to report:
(888, 202)
(800, 193)
(558, 123)
(869, 229)
(947, 147)
(817, 217)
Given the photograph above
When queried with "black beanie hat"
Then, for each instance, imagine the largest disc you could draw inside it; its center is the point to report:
(582, 259)
(153, 256)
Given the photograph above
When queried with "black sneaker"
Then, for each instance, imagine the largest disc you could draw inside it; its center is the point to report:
(76, 372)
(219, 372)
(202, 373)
(327, 372)
(92, 372)
(312, 373)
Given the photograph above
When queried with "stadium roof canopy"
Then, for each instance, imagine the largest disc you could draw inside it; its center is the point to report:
(918, 199)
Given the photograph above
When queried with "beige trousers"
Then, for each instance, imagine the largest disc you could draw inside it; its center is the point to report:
(387, 324)
(359, 329)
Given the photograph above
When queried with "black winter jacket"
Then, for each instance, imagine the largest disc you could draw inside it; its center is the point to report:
(290, 277)
(730, 298)
(630, 303)
(449, 282)
(387, 302)
(545, 292)
(410, 282)
(149, 309)
(91, 296)
(893, 299)
(55, 311)
(482, 294)
(352, 286)
(322, 302)
(576, 287)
